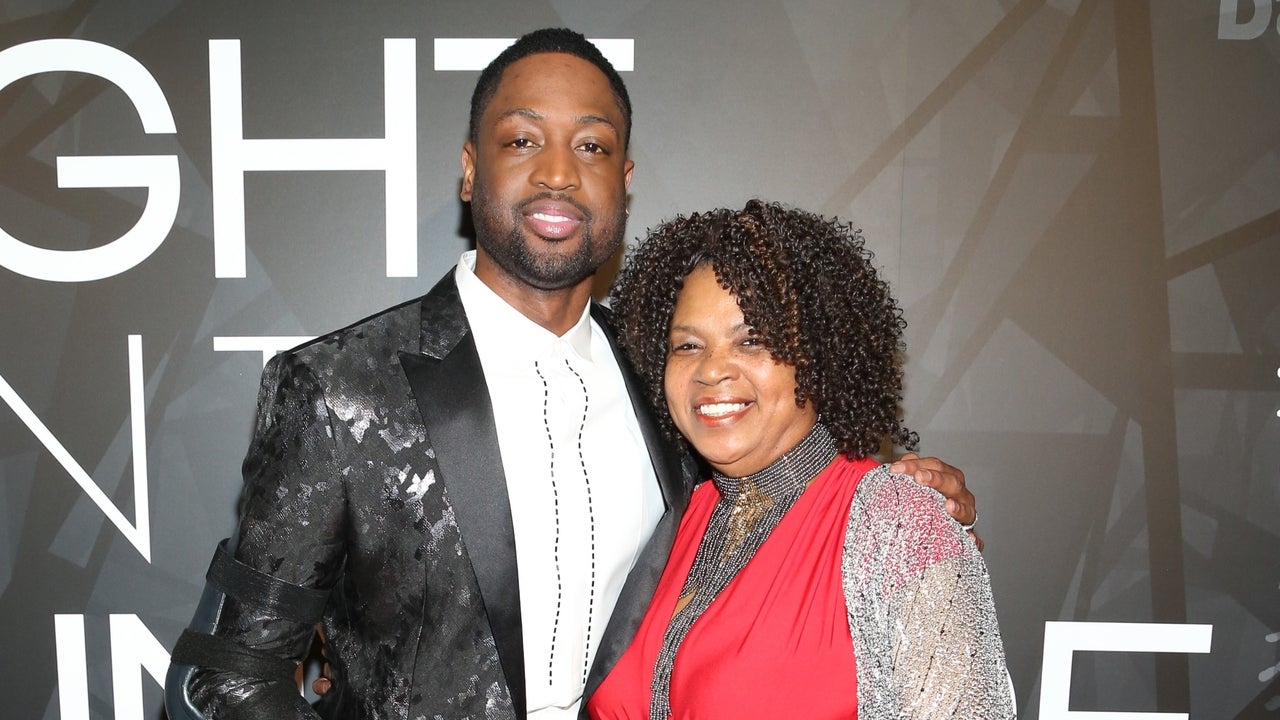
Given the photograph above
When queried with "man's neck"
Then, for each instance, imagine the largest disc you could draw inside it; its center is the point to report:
(555, 310)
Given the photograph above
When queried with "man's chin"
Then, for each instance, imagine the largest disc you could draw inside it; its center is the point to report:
(554, 280)
(560, 265)
(547, 264)
(545, 273)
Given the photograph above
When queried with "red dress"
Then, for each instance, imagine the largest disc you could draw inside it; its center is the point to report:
(775, 643)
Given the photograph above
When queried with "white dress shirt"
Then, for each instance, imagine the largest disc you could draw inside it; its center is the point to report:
(583, 493)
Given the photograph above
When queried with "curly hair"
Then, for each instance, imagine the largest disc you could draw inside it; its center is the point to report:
(806, 286)
(546, 40)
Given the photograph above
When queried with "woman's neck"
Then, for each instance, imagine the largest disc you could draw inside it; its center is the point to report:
(794, 469)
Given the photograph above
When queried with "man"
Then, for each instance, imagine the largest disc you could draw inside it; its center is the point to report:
(467, 490)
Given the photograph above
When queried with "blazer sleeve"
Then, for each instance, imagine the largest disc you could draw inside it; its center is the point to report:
(921, 610)
(289, 547)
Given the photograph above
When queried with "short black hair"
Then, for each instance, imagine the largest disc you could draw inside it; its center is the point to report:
(806, 285)
(547, 40)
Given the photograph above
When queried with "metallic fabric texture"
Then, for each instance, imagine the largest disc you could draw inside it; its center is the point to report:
(921, 613)
(341, 492)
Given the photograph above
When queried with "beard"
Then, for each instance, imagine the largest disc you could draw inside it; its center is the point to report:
(500, 233)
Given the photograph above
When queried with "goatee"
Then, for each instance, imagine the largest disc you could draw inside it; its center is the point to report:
(502, 235)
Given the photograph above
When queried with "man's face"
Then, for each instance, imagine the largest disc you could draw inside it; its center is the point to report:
(547, 175)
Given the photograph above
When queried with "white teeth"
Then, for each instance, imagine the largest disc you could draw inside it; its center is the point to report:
(551, 218)
(719, 409)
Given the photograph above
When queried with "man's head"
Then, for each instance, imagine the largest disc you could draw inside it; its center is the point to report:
(547, 40)
(546, 170)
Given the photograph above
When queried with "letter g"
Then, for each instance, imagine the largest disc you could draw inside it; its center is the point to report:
(157, 173)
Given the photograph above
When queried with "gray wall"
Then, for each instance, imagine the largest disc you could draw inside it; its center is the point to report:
(1078, 204)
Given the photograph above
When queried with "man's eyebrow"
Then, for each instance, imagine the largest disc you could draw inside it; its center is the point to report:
(596, 120)
(532, 114)
(520, 112)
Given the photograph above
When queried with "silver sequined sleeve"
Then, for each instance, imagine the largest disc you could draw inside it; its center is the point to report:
(921, 613)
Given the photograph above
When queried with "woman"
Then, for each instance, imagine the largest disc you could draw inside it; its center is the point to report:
(806, 580)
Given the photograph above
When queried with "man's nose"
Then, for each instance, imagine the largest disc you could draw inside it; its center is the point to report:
(556, 169)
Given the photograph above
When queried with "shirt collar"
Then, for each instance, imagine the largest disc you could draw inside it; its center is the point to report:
(505, 331)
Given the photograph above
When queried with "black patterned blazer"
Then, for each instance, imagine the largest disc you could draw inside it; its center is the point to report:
(374, 483)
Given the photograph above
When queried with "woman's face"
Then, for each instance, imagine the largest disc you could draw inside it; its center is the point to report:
(727, 395)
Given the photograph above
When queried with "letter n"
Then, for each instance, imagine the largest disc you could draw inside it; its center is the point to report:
(139, 532)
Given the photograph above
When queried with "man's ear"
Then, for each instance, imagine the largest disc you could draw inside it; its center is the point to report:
(469, 170)
(626, 174)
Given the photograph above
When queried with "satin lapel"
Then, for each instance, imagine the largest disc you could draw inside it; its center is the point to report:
(675, 478)
(449, 386)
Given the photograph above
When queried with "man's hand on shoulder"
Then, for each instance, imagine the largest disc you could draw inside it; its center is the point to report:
(948, 480)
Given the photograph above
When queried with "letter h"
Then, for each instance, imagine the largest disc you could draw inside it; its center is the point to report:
(234, 155)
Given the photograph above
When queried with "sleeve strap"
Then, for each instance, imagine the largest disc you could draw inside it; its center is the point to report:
(266, 592)
(211, 651)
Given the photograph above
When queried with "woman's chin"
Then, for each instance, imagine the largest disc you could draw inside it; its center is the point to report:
(733, 465)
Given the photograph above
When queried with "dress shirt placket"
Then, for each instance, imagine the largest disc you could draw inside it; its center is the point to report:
(566, 376)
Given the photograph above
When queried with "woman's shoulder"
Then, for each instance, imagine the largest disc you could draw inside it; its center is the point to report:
(905, 516)
(880, 488)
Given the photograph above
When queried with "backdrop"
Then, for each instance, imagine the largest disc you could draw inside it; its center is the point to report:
(1077, 203)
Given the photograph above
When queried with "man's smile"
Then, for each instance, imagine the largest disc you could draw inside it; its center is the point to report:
(552, 219)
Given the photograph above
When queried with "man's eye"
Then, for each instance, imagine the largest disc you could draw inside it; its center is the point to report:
(521, 143)
(594, 148)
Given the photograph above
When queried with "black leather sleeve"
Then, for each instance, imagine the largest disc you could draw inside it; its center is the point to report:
(199, 648)
(289, 551)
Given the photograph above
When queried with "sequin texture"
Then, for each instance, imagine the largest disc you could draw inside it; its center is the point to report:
(920, 607)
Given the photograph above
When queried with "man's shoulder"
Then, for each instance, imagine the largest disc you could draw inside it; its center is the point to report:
(389, 329)
(386, 332)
